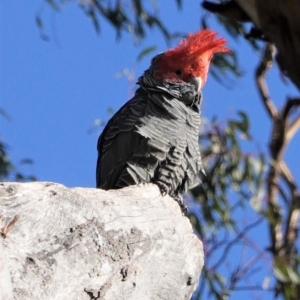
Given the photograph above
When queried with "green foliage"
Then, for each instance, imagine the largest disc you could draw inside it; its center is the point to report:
(233, 177)
(228, 169)
(145, 52)
(5, 163)
(136, 17)
(222, 64)
(132, 16)
(287, 276)
(8, 170)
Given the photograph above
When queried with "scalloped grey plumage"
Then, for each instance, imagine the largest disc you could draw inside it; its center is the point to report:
(153, 138)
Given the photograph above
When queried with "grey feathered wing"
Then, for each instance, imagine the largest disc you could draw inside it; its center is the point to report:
(152, 138)
(117, 143)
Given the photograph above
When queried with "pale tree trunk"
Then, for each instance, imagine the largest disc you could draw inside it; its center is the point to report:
(83, 243)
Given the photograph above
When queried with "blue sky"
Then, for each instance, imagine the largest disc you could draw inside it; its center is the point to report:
(53, 91)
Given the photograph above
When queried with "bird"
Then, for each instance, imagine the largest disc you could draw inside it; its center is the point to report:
(153, 138)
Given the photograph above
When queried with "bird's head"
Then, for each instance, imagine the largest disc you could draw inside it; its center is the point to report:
(189, 61)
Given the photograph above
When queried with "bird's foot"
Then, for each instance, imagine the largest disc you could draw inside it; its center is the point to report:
(183, 207)
(164, 190)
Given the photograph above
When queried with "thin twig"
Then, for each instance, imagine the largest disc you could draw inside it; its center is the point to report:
(293, 128)
(235, 240)
(5, 229)
(253, 288)
(290, 103)
(284, 196)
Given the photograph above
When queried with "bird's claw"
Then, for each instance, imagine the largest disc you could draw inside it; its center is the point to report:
(162, 187)
(164, 190)
(183, 207)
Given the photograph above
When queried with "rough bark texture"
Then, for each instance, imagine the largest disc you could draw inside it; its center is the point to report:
(280, 22)
(80, 243)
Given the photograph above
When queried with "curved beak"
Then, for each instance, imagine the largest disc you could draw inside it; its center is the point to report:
(197, 82)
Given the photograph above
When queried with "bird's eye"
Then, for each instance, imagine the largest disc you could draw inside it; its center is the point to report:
(178, 72)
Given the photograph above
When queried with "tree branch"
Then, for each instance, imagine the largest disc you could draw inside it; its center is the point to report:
(252, 288)
(291, 231)
(282, 243)
(287, 176)
(261, 71)
(71, 243)
(290, 103)
(240, 235)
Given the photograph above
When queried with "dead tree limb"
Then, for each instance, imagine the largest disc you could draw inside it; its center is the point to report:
(80, 243)
(283, 221)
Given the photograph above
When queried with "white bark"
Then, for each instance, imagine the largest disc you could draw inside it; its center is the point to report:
(80, 243)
